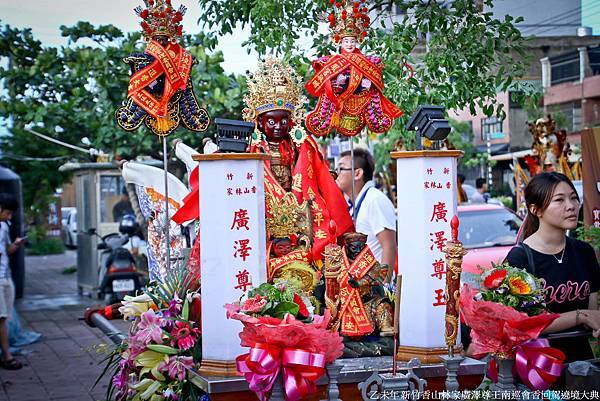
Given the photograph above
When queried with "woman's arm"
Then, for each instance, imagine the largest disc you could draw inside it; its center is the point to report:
(565, 321)
(589, 317)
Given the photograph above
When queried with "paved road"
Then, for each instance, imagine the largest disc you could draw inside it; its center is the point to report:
(64, 364)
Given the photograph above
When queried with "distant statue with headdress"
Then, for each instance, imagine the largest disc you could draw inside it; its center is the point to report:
(160, 93)
(349, 85)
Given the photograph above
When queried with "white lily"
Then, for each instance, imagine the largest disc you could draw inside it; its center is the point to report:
(135, 306)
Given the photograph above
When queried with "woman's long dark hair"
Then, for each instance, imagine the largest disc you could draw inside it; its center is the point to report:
(538, 194)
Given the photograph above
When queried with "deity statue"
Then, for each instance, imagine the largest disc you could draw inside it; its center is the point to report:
(160, 92)
(355, 295)
(289, 244)
(349, 85)
(296, 172)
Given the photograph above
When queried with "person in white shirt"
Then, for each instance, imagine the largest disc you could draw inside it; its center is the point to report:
(374, 212)
(8, 204)
(479, 196)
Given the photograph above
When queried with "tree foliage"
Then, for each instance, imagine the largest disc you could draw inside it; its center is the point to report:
(461, 56)
(72, 92)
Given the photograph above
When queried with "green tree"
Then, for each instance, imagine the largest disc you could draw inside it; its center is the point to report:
(461, 56)
(461, 137)
(72, 92)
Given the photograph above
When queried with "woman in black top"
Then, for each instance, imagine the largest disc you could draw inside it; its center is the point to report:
(568, 266)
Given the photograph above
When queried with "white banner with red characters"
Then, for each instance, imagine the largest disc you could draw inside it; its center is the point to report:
(427, 199)
(232, 244)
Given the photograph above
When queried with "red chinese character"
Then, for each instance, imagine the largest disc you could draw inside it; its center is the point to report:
(440, 298)
(243, 279)
(439, 240)
(432, 184)
(242, 249)
(439, 185)
(246, 190)
(439, 268)
(229, 176)
(238, 191)
(426, 185)
(249, 176)
(229, 191)
(446, 170)
(429, 171)
(439, 212)
(253, 189)
(240, 219)
(448, 185)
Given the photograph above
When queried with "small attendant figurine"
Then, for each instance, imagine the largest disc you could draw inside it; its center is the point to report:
(349, 85)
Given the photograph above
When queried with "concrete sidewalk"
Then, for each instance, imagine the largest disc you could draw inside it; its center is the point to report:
(63, 365)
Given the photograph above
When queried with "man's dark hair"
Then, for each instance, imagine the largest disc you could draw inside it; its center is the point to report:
(364, 160)
(479, 183)
(461, 178)
(8, 202)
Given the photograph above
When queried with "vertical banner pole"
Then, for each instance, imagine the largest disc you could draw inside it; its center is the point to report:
(353, 192)
(167, 219)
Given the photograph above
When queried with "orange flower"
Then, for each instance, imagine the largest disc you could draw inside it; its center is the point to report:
(518, 286)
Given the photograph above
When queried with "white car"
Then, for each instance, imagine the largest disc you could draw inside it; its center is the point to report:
(69, 228)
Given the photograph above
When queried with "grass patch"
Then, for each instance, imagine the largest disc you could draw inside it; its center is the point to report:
(69, 270)
(46, 246)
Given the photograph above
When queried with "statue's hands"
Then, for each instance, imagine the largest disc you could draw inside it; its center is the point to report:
(353, 282)
(341, 79)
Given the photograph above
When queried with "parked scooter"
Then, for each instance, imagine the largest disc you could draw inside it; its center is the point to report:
(118, 274)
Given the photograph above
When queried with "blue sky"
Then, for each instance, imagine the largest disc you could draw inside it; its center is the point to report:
(45, 17)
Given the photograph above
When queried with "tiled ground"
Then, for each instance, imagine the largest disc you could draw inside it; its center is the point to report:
(64, 364)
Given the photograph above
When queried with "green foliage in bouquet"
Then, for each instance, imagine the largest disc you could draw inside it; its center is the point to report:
(278, 299)
(163, 343)
(513, 287)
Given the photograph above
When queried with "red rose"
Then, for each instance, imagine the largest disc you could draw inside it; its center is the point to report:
(302, 310)
(494, 279)
(254, 305)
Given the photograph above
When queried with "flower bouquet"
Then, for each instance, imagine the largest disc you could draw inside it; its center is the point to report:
(506, 317)
(284, 338)
(152, 363)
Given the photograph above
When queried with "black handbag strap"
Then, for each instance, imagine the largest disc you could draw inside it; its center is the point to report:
(530, 262)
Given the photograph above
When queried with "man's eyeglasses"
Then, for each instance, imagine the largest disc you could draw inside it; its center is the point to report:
(338, 169)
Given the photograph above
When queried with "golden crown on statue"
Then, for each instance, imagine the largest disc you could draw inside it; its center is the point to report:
(349, 18)
(275, 86)
(160, 19)
(287, 217)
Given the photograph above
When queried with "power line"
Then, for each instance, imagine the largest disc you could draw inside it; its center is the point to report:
(563, 16)
(551, 28)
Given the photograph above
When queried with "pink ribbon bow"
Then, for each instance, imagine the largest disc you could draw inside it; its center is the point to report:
(262, 364)
(537, 364)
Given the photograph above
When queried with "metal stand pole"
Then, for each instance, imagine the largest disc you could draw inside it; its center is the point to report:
(167, 219)
(352, 172)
